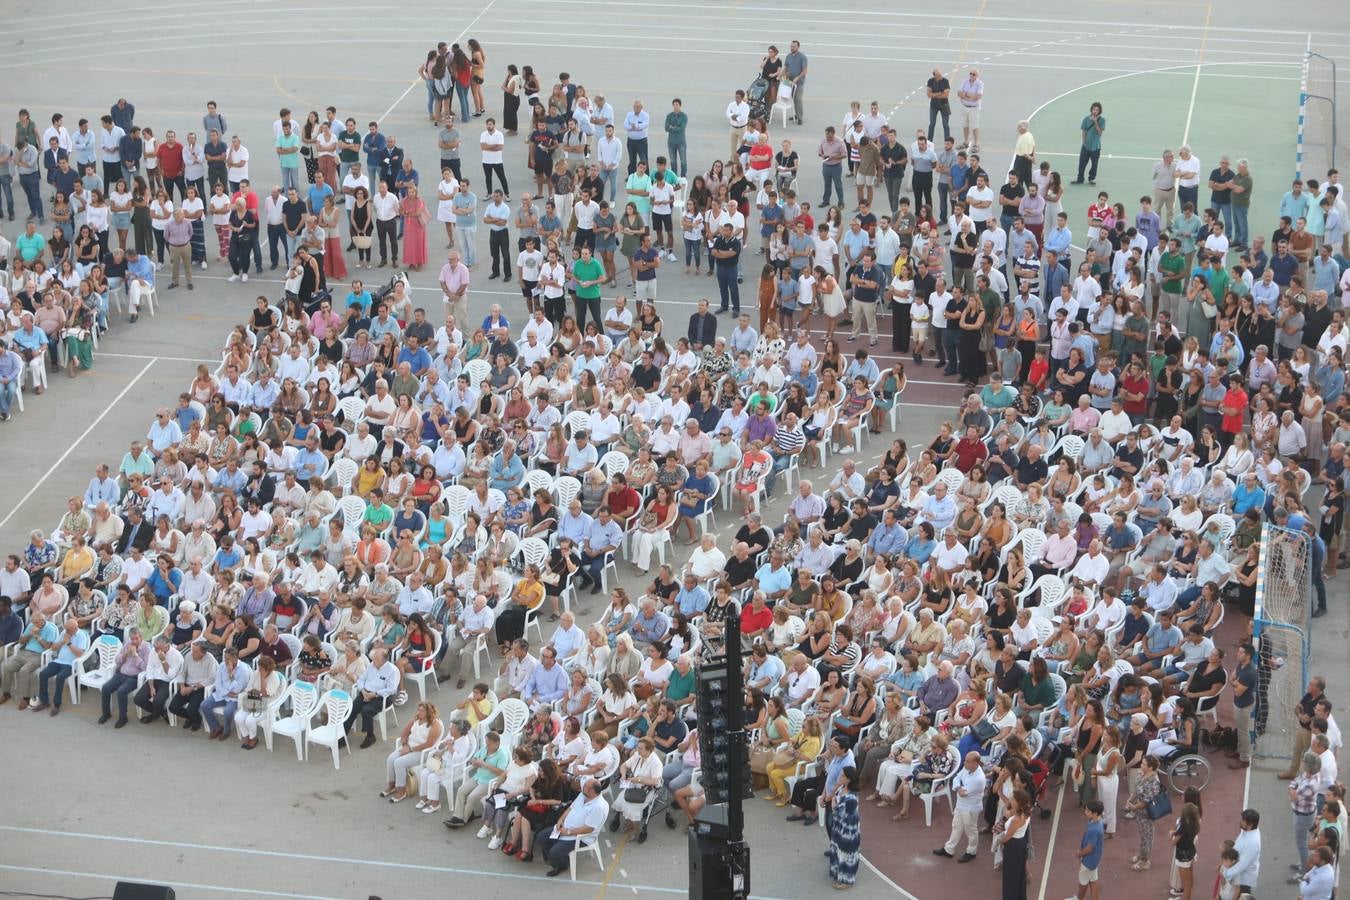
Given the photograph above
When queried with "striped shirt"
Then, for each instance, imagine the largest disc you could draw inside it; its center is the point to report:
(788, 440)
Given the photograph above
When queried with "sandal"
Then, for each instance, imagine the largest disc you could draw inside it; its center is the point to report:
(1140, 866)
(398, 797)
(388, 792)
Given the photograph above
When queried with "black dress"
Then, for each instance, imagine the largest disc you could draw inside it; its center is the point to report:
(1015, 868)
(972, 358)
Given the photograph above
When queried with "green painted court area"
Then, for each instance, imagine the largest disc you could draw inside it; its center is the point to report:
(1239, 110)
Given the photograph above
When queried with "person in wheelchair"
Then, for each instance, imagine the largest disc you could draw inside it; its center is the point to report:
(639, 783)
(1181, 739)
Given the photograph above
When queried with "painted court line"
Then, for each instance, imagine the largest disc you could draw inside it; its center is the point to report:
(1199, 64)
(79, 440)
(310, 857)
(102, 876)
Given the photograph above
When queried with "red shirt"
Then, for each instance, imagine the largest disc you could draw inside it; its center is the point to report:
(170, 159)
(624, 499)
(250, 200)
(1136, 386)
(1236, 398)
(1038, 373)
(752, 621)
(968, 452)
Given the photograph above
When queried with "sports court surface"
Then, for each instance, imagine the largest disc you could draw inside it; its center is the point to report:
(92, 806)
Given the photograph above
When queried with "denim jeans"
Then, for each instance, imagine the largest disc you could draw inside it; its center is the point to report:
(951, 341)
(1238, 229)
(611, 178)
(462, 91)
(1225, 212)
(693, 250)
(464, 235)
(933, 113)
(7, 389)
(290, 178)
(678, 152)
(1302, 824)
(32, 189)
(7, 193)
(780, 464)
(833, 174)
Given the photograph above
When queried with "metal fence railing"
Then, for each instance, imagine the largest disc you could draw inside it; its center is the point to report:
(1320, 140)
(1282, 637)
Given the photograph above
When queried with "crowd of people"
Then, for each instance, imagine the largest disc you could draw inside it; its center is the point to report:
(359, 496)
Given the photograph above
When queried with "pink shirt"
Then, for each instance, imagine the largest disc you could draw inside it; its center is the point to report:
(454, 278)
(1084, 420)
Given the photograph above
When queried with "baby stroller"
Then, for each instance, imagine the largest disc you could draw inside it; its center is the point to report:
(757, 95)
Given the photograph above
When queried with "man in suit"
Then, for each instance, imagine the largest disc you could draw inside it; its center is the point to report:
(702, 327)
(260, 485)
(136, 533)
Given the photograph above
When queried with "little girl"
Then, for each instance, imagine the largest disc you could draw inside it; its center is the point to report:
(920, 315)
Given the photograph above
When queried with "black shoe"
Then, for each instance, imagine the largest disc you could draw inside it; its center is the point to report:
(1076, 181)
(119, 723)
(965, 857)
(942, 851)
(274, 265)
(555, 871)
(103, 719)
(172, 285)
(1319, 613)
(723, 311)
(368, 742)
(135, 316)
(190, 287)
(148, 718)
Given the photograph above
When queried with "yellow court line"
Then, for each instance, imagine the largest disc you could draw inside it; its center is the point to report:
(613, 867)
(970, 35)
(1199, 60)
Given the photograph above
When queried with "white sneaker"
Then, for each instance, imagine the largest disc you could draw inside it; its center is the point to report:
(203, 264)
(244, 276)
(495, 843)
(484, 832)
(233, 278)
(670, 256)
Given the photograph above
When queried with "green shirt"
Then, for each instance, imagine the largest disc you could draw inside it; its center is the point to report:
(588, 271)
(379, 516)
(680, 686)
(992, 304)
(1041, 695)
(1172, 265)
(1244, 198)
(30, 247)
(350, 137)
(1184, 230)
(497, 760)
(638, 182)
(1092, 139)
(676, 122)
(289, 160)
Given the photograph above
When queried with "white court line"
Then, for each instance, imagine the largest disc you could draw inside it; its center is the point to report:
(71, 449)
(100, 876)
(416, 81)
(339, 860)
(188, 359)
(1195, 85)
(1050, 843)
(882, 875)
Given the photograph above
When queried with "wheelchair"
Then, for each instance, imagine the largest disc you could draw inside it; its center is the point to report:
(650, 803)
(1186, 769)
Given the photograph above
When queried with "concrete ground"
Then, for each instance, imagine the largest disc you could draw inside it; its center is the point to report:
(146, 805)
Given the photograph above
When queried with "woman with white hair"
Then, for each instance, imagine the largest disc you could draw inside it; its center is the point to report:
(638, 777)
(187, 626)
(348, 668)
(263, 685)
(445, 763)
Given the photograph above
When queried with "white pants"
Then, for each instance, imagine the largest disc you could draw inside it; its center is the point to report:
(889, 774)
(431, 783)
(135, 290)
(397, 764)
(246, 723)
(631, 812)
(37, 367)
(965, 822)
(563, 207)
(1107, 789)
(644, 543)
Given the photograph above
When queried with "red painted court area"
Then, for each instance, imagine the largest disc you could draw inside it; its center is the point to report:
(903, 851)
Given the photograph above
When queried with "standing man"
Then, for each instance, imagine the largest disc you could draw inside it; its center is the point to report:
(923, 160)
(796, 65)
(1245, 685)
(726, 250)
(178, 235)
(635, 124)
(454, 280)
(676, 147)
(832, 151)
(738, 116)
(1024, 154)
(492, 142)
(288, 155)
(1187, 170)
(971, 95)
(1094, 123)
(496, 215)
(939, 91)
(1240, 200)
(608, 153)
(969, 786)
(1221, 192)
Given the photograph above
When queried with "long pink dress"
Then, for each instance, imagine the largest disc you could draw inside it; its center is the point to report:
(414, 232)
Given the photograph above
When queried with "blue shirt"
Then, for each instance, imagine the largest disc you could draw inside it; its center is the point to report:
(71, 649)
(919, 549)
(887, 540)
(772, 581)
(692, 602)
(419, 360)
(574, 528)
(227, 684)
(142, 268)
(48, 634)
(546, 684)
(635, 125)
(373, 145)
(602, 535)
(1094, 836)
(309, 464)
(1244, 499)
(316, 197)
(506, 473)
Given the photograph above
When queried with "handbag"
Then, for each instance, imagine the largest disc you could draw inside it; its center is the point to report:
(414, 784)
(361, 241)
(635, 794)
(434, 764)
(252, 702)
(1159, 806)
(984, 731)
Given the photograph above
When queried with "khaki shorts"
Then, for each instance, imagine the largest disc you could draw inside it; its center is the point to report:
(1085, 875)
(866, 181)
(970, 116)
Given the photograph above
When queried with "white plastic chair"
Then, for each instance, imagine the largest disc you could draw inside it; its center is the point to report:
(338, 705)
(942, 787)
(538, 480)
(783, 104)
(428, 668)
(613, 463)
(304, 699)
(514, 714)
(353, 411)
(565, 487)
(593, 848)
(106, 647)
(340, 474)
(478, 370)
(353, 509)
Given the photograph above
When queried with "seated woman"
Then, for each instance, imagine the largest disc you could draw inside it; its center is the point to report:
(993, 727)
(905, 753)
(263, 687)
(654, 528)
(804, 747)
(1182, 737)
(416, 645)
(526, 597)
(513, 787)
(548, 793)
(314, 660)
(423, 732)
(935, 764)
(444, 763)
(615, 704)
(859, 710)
(639, 778)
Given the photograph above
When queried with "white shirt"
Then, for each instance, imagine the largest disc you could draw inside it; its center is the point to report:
(353, 182)
(386, 207)
(972, 783)
(492, 143)
(976, 193)
(609, 151)
(738, 113)
(1188, 171)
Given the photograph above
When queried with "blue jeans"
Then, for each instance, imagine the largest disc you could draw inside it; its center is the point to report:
(431, 96)
(611, 178)
(727, 287)
(693, 250)
(933, 113)
(290, 178)
(7, 389)
(1189, 195)
(7, 193)
(462, 91)
(464, 237)
(56, 673)
(780, 463)
(1225, 211)
(679, 157)
(951, 341)
(219, 713)
(833, 173)
(32, 189)
(1239, 224)
(944, 190)
(1302, 824)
